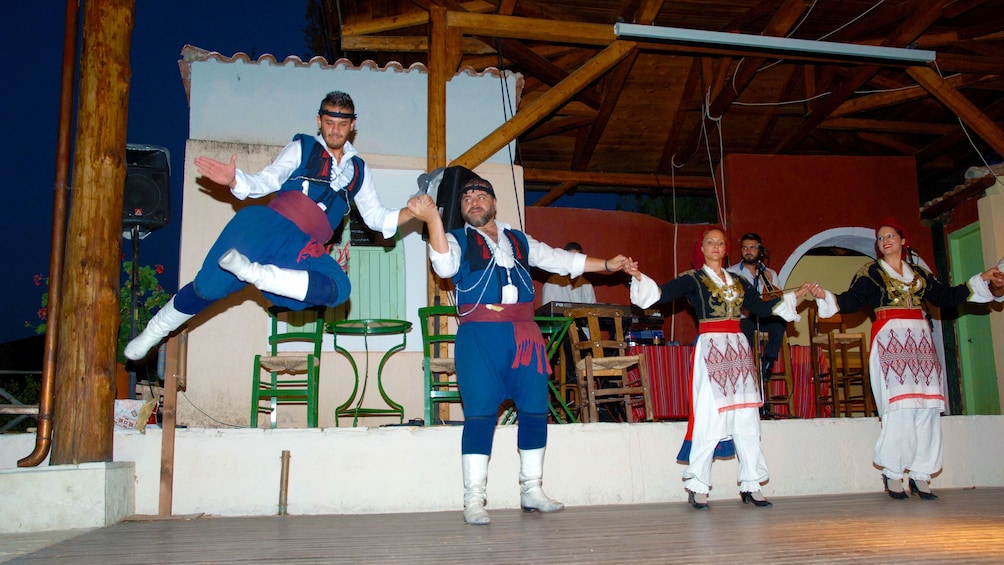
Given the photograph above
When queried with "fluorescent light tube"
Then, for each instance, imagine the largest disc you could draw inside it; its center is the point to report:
(770, 44)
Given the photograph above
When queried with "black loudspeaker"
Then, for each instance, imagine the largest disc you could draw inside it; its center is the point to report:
(443, 185)
(448, 198)
(147, 201)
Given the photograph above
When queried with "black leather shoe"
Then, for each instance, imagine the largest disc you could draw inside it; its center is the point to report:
(902, 495)
(747, 498)
(694, 503)
(923, 495)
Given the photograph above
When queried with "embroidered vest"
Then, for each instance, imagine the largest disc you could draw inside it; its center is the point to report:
(313, 178)
(472, 284)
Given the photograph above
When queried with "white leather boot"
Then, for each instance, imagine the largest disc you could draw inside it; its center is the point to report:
(475, 493)
(531, 473)
(270, 278)
(164, 322)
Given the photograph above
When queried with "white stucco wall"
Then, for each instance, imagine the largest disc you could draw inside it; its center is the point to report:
(406, 469)
(266, 102)
(253, 109)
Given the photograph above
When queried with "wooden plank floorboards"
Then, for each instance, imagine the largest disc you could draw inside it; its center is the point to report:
(963, 526)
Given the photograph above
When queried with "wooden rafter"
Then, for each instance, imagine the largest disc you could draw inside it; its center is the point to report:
(973, 117)
(926, 13)
(534, 111)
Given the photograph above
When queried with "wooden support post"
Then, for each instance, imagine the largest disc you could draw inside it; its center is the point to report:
(85, 387)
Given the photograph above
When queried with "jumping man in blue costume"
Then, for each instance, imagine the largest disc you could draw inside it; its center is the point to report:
(279, 248)
(499, 348)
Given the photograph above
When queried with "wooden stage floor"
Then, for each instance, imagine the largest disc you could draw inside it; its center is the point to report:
(963, 526)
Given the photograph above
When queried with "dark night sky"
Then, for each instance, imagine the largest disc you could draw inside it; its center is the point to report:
(32, 36)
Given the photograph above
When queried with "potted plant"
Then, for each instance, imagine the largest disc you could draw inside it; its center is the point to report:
(150, 297)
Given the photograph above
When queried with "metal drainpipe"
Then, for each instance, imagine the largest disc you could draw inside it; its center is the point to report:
(43, 437)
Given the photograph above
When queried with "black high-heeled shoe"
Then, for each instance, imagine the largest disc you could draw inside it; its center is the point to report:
(923, 495)
(901, 495)
(694, 503)
(747, 497)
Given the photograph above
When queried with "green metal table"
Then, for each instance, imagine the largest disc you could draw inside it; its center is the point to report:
(367, 328)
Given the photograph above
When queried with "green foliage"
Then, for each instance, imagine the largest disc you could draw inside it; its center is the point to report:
(150, 297)
(688, 209)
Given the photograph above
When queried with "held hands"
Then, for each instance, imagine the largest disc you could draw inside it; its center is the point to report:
(995, 277)
(621, 263)
(631, 267)
(218, 172)
(810, 288)
(423, 207)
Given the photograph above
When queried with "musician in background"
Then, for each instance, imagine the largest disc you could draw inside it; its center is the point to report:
(763, 280)
(563, 288)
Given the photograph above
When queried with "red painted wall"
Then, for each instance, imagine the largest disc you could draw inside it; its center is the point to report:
(604, 233)
(787, 199)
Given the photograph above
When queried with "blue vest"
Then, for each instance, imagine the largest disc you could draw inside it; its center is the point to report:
(476, 255)
(315, 170)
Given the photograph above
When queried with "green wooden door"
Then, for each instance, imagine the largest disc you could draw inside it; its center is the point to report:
(976, 355)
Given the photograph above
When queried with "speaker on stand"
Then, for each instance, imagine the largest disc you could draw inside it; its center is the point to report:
(146, 207)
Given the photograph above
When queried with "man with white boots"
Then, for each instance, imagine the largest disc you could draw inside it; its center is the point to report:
(499, 350)
(279, 248)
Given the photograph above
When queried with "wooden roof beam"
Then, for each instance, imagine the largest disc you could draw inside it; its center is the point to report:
(925, 14)
(972, 116)
(513, 27)
(886, 126)
(585, 144)
(411, 19)
(885, 99)
(668, 159)
(946, 143)
(555, 193)
(782, 22)
(407, 44)
(547, 103)
(616, 179)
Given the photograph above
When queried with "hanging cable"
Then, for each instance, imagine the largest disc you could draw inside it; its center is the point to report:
(507, 112)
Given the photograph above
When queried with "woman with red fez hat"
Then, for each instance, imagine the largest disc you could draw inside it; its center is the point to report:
(725, 402)
(906, 375)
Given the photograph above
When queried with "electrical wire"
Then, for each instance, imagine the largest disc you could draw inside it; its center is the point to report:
(507, 113)
(203, 412)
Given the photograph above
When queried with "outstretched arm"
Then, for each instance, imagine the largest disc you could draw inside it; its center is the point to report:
(424, 208)
(614, 264)
(218, 172)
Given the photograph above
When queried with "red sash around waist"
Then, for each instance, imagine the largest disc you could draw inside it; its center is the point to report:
(719, 326)
(526, 332)
(298, 208)
(899, 314)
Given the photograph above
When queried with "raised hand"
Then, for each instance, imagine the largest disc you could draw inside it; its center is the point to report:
(423, 207)
(218, 172)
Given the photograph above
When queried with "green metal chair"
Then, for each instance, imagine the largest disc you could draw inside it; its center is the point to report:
(437, 363)
(292, 375)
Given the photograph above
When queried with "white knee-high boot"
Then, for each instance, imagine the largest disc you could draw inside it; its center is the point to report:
(531, 475)
(270, 278)
(164, 322)
(475, 488)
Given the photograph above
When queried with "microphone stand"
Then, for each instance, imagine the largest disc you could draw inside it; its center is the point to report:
(761, 273)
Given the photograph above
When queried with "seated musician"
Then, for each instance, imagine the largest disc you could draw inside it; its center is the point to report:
(564, 288)
(763, 280)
